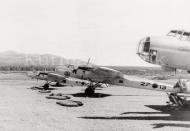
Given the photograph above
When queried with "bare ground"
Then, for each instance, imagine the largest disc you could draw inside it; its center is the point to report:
(117, 109)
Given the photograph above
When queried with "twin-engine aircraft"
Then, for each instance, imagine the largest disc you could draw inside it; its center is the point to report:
(93, 76)
(171, 51)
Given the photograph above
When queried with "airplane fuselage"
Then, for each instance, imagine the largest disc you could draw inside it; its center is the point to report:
(167, 51)
(98, 74)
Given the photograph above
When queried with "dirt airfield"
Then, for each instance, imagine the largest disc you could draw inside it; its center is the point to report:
(111, 109)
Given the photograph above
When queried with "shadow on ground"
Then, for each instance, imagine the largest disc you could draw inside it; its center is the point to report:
(98, 95)
(168, 114)
(41, 88)
(161, 125)
(95, 95)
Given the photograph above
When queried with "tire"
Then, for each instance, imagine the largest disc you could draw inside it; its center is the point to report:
(89, 91)
(46, 86)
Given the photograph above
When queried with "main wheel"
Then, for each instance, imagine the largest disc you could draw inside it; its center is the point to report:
(89, 91)
(46, 86)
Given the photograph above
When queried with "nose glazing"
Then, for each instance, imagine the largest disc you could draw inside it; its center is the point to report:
(143, 48)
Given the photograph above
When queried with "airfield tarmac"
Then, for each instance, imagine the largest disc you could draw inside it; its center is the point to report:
(117, 109)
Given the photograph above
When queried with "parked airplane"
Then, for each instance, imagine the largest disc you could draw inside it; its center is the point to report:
(94, 74)
(171, 51)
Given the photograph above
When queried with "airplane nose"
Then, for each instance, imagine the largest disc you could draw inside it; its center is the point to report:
(143, 48)
(144, 45)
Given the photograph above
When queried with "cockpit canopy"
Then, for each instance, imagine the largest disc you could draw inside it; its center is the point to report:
(180, 34)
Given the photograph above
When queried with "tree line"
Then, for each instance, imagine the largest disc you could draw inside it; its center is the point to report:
(27, 68)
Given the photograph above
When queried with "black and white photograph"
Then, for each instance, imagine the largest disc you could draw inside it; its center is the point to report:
(94, 65)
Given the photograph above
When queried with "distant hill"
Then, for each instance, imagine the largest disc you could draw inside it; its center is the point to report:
(12, 58)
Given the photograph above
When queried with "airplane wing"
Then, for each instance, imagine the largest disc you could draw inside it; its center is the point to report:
(54, 77)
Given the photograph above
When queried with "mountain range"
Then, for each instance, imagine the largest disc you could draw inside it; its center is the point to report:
(13, 58)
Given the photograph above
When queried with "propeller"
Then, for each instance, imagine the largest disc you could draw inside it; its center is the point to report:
(86, 67)
(88, 61)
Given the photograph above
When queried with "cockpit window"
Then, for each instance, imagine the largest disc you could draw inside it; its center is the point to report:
(172, 33)
(186, 36)
(180, 34)
(186, 33)
(146, 46)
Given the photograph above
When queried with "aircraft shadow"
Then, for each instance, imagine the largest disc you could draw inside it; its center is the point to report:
(95, 95)
(171, 115)
(125, 113)
(128, 117)
(40, 88)
(161, 125)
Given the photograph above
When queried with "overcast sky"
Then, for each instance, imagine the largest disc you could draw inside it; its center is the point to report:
(108, 31)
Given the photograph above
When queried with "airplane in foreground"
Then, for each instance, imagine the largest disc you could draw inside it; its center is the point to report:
(96, 75)
(93, 76)
(171, 51)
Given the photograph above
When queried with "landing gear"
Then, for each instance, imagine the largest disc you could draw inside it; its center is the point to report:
(89, 91)
(175, 100)
(46, 86)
